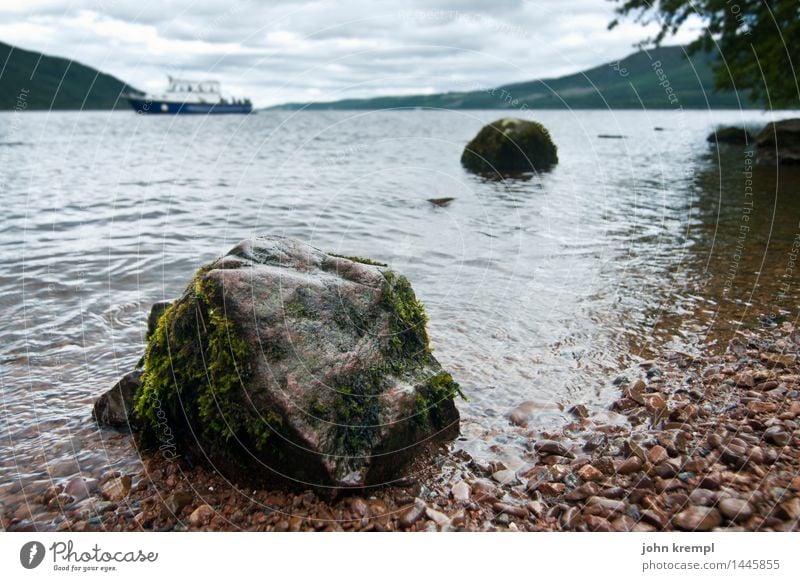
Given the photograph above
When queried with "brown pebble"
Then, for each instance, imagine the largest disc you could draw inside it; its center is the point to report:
(657, 454)
(589, 473)
(117, 488)
(202, 515)
(410, 515)
(735, 509)
(629, 466)
(697, 518)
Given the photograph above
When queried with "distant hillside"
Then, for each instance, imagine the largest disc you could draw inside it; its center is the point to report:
(54, 83)
(612, 85)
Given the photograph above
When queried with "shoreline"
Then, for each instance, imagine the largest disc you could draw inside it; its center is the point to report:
(711, 443)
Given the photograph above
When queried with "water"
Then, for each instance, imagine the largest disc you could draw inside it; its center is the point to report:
(540, 289)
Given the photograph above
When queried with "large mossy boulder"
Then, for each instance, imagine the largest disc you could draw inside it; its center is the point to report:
(510, 145)
(779, 143)
(731, 136)
(283, 364)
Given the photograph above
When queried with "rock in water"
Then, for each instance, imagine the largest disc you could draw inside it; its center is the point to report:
(779, 143)
(510, 145)
(281, 363)
(731, 135)
(115, 407)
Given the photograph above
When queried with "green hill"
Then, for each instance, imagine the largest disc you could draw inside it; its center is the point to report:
(48, 82)
(632, 83)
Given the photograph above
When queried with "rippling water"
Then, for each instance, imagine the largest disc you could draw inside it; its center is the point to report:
(540, 289)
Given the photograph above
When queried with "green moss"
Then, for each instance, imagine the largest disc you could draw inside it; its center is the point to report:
(356, 411)
(434, 392)
(510, 145)
(194, 365)
(360, 259)
(409, 337)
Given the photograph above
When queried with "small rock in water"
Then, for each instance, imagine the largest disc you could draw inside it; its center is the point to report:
(579, 411)
(440, 202)
(483, 490)
(551, 447)
(115, 407)
(79, 487)
(460, 491)
(505, 476)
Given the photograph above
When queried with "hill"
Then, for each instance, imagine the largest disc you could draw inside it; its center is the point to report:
(632, 83)
(48, 82)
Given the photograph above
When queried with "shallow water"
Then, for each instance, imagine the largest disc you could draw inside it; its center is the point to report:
(540, 289)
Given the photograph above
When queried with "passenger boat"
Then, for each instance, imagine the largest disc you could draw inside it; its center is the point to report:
(189, 97)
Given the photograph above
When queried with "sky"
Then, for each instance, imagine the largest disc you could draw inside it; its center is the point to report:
(278, 51)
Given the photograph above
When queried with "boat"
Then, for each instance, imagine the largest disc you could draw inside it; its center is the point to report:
(189, 97)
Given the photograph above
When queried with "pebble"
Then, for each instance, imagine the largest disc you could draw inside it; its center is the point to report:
(412, 514)
(776, 435)
(597, 523)
(460, 491)
(607, 504)
(439, 518)
(359, 506)
(629, 466)
(551, 447)
(483, 490)
(551, 488)
(117, 488)
(177, 501)
(703, 497)
(590, 474)
(582, 492)
(505, 476)
(513, 510)
(657, 454)
(202, 515)
(735, 509)
(697, 518)
(80, 487)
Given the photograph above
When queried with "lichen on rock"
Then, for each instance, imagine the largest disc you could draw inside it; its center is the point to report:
(510, 145)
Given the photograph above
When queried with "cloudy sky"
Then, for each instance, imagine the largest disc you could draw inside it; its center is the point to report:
(276, 51)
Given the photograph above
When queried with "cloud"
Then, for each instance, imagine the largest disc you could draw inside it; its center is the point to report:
(295, 50)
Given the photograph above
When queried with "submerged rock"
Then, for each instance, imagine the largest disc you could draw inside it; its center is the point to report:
(779, 143)
(731, 135)
(281, 363)
(115, 407)
(510, 145)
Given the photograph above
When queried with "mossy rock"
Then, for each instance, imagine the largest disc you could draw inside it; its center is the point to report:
(731, 135)
(779, 143)
(510, 146)
(283, 364)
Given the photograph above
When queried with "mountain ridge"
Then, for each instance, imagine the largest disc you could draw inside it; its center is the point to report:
(629, 83)
(34, 81)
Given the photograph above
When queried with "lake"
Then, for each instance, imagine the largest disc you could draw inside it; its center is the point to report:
(539, 289)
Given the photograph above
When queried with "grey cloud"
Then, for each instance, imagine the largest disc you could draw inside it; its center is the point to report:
(284, 50)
